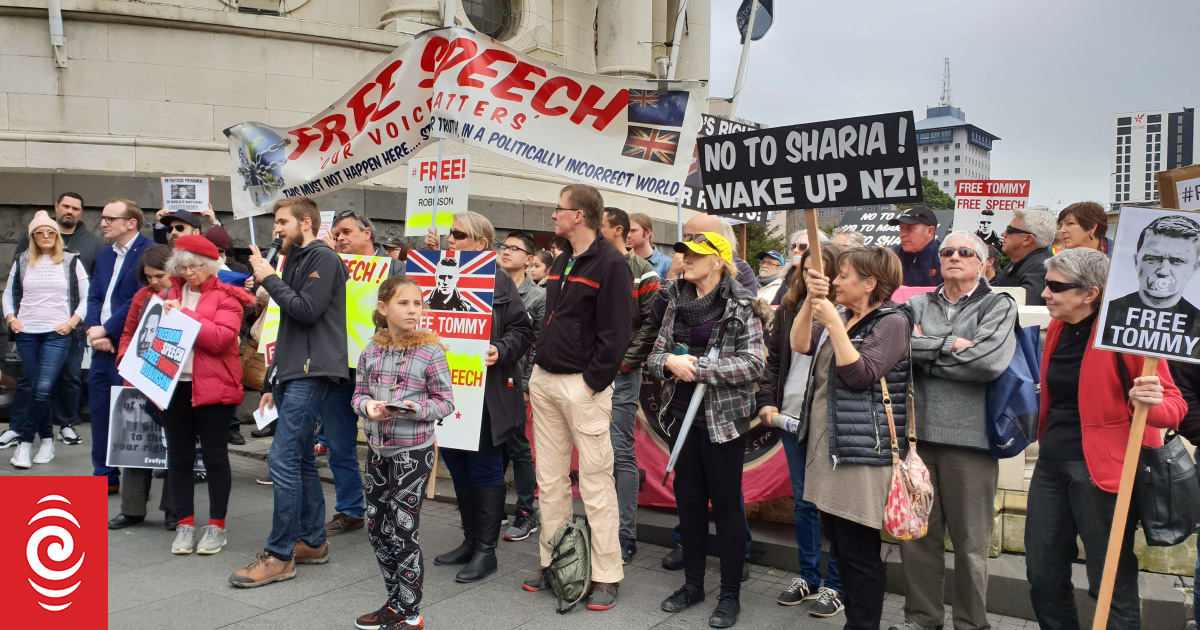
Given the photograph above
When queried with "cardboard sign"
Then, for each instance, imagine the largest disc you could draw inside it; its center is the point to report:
(135, 440)
(448, 182)
(1149, 301)
(1180, 188)
(850, 162)
(452, 83)
(873, 225)
(693, 197)
(185, 193)
(160, 346)
(458, 288)
(985, 207)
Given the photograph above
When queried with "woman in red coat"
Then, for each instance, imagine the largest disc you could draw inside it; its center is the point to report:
(203, 411)
(1085, 419)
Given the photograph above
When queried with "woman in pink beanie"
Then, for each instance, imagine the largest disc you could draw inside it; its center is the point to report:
(44, 302)
(203, 411)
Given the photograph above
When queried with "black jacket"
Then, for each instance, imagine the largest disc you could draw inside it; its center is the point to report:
(512, 334)
(1187, 378)
(923, 268)
(312, 326)
(779, 360)
(1028, 273)
(587, 325)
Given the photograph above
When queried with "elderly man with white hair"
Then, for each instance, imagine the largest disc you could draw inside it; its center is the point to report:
(1027, 241)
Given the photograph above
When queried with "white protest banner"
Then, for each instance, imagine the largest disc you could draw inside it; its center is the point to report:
(134, 439)
(159, 348)
(983, 205)
(458, 287)
(872, 223)
(448, 182)
(185, 193)
(326, 223)
(1149, 301)
(850, 162)
(616, 133)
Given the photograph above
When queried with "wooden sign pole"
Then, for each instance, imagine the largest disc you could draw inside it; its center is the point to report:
(1116, 537)
(814, 241)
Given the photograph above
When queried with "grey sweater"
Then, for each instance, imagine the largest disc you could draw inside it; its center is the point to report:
(951, 387)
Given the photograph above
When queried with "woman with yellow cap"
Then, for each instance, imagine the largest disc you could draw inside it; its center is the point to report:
(709, 309)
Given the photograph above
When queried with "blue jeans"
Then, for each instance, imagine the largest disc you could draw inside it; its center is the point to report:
(483, 468)
(67, 389)
(625, 469)
(102, 376)
(808, 521)
(42, 356)
(340, 425)
(299, 502)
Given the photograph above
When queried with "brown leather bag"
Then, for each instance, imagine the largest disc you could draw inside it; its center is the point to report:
(254, 363)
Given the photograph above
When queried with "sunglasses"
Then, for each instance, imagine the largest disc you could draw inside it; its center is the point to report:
(1012, 230)
(800, 247)
(180, 227)
(509, 248)
(965, 252)
(1058, 287)
(460, 235)
(700, 239)
(45, 233)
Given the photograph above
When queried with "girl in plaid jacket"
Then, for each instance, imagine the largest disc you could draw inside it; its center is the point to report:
(402, 389)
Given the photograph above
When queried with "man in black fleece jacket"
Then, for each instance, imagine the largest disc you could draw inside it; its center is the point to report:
(583, 339)
(310, 361)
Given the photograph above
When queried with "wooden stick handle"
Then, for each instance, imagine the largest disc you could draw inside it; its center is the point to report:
(1116, 537)
(814, 242)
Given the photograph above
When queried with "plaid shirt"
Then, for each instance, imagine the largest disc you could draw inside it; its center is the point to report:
(409, 369)
(731, 377)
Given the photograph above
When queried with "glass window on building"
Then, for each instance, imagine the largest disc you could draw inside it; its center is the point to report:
(924, 149)
(947, 147)
(924, 173)
(957, 145)
(925, 160)
(957, 170)
(494, 18)
(945, 183)
(935, 160)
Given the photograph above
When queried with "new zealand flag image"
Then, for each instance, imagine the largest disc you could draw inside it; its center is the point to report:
(660, 109)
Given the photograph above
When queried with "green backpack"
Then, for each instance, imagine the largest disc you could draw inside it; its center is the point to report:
(570, 570)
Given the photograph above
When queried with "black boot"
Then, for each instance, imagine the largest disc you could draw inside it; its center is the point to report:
(490, 506)
(468, 511)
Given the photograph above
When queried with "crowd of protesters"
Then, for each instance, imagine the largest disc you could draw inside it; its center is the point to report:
(575, 330)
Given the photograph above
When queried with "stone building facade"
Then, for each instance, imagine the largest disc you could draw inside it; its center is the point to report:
(139, 90)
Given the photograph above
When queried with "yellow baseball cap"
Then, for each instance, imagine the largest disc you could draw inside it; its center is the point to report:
(706, 244)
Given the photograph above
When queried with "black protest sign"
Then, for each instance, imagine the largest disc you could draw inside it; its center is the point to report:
(872, 223)
(692, 197)
(850, 162)
(1149, 300)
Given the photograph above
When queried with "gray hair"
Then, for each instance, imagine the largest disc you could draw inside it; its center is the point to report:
(1081, 265)
(727, 232)
(977, 244)
(182, 258)
(820, 236)
(1042, 224)
(854, 238)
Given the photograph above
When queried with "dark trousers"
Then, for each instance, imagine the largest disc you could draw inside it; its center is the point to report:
(1063, 504)
(517, 451)
(102, 377)
(863, 574)
(135, 492)
(482, 468)
(42, 358)
(182, 424)
(706, 472)
(394, 488)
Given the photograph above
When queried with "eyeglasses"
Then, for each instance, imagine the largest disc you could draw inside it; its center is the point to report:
(188, 268)
(965, 252)
(800, 247)
(459, 235)
(508, 248)
(1058, 287)
(44, 233)
(1013, 230)
(180, 227)
(560, 208)
(104, 218)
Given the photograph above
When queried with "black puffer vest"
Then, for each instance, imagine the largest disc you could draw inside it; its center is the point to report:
(858, 427)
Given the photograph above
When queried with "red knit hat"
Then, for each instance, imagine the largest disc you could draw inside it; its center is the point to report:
(198, 245)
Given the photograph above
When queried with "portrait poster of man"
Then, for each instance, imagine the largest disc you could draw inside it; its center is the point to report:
(135, 440)
(161, 344)
(1149, 301)
(185, 193)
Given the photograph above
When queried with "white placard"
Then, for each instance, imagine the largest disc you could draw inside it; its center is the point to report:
(134, 439)
(160, 346)
(185, 193)
(449, 183)
(1188, 193)
(326, 223)
(985, 206)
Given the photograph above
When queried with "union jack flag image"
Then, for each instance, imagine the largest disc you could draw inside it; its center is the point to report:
(455, 281)
(654, 145)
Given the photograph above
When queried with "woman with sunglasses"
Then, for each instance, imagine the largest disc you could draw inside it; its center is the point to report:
(479, 475)
(780, 402)
(962, 340)
(799, 245)
(1086, 409)
(44, 303)
(856, 349)
(708, 308)
(203, 410)
(1083, 224)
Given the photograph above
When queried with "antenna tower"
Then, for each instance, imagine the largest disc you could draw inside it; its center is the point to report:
(947, 97)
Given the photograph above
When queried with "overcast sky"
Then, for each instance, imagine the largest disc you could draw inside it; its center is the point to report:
(1044, 76)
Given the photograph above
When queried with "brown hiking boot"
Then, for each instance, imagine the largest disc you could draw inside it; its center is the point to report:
(303, 554)
(265, 569)
(342, 523)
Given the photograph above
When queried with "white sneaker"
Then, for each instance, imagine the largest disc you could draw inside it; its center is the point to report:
(69, 435)
(20, 459)
(46, 452)
(7, 439)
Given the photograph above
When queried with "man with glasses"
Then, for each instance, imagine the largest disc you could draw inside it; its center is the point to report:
(516, 254)
(918, 248)
(110, 293)
(1027, 241)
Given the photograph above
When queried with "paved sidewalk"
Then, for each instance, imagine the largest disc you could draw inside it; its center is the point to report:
(153, 589)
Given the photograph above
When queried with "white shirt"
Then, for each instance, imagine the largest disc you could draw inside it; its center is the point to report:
(45, 301)
(106, 307)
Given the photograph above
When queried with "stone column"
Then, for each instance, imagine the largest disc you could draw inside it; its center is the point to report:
(421, 12)
(624, 32)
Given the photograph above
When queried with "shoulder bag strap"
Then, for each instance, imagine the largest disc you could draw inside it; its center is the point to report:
(887, 407)
(912, 402)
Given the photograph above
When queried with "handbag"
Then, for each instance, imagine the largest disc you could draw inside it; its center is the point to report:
(910, 499)
(1166, 493)
(1013, 406)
